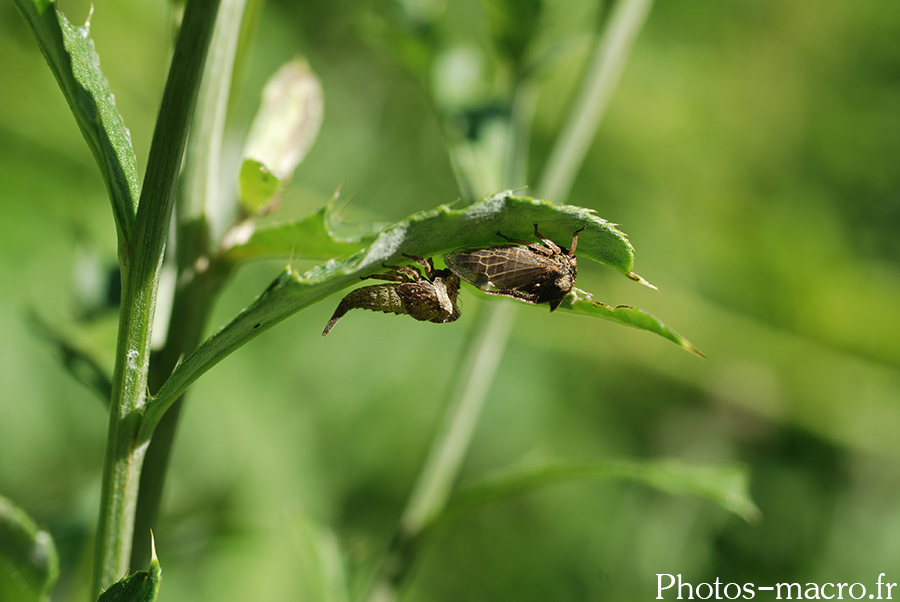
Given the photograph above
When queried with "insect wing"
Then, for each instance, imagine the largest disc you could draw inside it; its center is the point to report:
(466, 265)
(506, 267)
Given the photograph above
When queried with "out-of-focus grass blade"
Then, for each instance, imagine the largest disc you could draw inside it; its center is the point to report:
(76, 361)
(29, 565)
(69, 50)
(727, 486)
(319, 562)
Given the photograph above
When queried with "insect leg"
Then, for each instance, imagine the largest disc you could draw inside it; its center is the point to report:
(426, 263)
(393, 276)
(554, 248)
(397, 273)
(515, 241)
(514, 294)
(575, 239)
(411, 273)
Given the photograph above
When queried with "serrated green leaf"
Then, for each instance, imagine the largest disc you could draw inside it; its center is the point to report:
(727, 486)
(140, 586)
(29, 565)
(580, 303)
(424, 234)
(69, 50)
(306, 238)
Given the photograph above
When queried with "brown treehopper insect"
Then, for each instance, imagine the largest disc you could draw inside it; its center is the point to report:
(536, 273)
(430, 297)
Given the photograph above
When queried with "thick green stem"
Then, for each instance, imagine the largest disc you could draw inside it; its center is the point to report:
(201, 200)
(140, 275)
(198, 203)
(190, 312)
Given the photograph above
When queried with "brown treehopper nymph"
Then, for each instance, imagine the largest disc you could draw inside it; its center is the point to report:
(430, 297)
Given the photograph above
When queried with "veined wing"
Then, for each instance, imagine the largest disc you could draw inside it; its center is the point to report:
(505, 267)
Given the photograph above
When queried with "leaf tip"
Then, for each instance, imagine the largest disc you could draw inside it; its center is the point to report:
(642, 280)
(750, 513)
(685, 344)
(153, 557)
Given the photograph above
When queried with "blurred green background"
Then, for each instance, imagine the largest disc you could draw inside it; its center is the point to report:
(750, 153)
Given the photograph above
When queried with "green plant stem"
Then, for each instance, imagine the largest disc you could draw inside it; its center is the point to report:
(433, 487)
(484, 351)
(197, 290)
(190, 313)
(603, 73)
(445, 458)
(449, 448)
(515, 169)
(140, 274)
(201, 200)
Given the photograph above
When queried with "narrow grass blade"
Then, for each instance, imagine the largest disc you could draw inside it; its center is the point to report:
(319, 562)
(75, 360)
(724, 485)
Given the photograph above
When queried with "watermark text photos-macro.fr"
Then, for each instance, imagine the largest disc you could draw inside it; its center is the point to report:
(672, 587)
